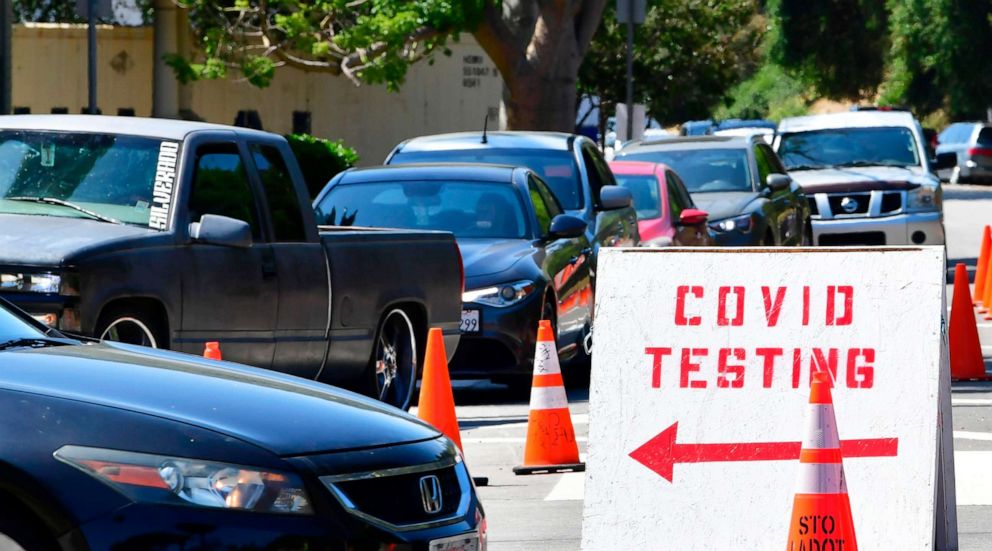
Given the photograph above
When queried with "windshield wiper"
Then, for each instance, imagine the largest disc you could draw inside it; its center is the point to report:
(37, 342)
(64, 203)
(808, 167)
(855, 164)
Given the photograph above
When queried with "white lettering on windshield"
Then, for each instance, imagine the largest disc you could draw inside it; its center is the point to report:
(165, 177)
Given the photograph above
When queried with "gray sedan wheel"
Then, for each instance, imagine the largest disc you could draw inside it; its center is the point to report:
(394, 361)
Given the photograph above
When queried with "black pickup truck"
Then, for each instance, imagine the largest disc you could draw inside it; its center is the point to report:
(171, 234)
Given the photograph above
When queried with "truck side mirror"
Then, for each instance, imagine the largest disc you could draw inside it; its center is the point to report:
(615, 197)
(221, 230)
(944, 161)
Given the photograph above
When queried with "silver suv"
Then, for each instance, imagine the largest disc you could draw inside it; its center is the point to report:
(867, 177)
(971, 142)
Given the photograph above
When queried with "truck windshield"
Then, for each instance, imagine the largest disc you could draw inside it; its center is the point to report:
(120, 179)
(848, 147)
(556, 168)
(466, 209)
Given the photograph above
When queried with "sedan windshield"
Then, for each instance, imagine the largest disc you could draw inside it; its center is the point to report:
(703, 170)
(556, 168)
(644, 189)
(466, 209)
(848, 147)
(119, 179)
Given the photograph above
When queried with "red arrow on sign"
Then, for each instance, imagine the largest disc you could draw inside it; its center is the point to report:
(661, 453)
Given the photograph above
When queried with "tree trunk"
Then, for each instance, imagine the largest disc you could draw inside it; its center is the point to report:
(538, 48)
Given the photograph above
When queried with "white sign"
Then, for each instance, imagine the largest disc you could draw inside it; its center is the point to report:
(700, 385)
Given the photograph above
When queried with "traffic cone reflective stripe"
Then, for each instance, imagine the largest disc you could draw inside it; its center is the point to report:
(211, 350)
(982, 272)
(437, 401)
(551, 445)
(821, 509)
(964, 347)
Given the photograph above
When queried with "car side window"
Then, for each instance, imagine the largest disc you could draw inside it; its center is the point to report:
(599, 172)
(680, 190)
(554, 207)
(985, 137)
(777, 166)
(676, 202)
(765, 166)
(284, 206)
(220, 186)
(541, 210)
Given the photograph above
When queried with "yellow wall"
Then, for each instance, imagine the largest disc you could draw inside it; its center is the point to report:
(453, 94)
(49, 68)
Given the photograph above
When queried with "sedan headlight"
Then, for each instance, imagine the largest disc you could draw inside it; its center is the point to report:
(500, 296)
(740, 223)
(924, 197)
(181, 481)
(31, 283)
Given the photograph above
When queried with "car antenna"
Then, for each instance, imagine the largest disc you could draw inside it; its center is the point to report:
(485, 127)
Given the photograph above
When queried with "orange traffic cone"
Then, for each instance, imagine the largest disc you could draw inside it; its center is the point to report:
(982, 268)
(211, 350)
(437, 402)
(987, 291)
(964, 347)
(821, 510)
(551, 443)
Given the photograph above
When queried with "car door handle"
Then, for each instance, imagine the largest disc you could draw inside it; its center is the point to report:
(586, 251)
(573, 260)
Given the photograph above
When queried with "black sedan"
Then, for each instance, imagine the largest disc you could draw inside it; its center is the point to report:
(113, 446)
(740, 182)
(524, 258)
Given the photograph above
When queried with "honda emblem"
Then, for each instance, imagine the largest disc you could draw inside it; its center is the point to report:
(430, 494)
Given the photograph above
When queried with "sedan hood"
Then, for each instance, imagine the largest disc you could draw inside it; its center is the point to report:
(491, 256)
(283, 414)
(723, 204)
(50, 240)
(847, 180)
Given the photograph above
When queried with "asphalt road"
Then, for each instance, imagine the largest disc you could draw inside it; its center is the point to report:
(544, 512)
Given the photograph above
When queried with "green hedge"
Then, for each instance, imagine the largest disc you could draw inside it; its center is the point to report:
(320, 159)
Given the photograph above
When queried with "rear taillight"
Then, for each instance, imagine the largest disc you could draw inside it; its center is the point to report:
(980, 152)
(461, 266)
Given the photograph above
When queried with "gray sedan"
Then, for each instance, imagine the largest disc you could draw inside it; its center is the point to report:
(972, 143)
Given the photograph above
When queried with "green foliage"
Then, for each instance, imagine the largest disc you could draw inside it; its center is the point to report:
(939, 56)
(688, 53)
(770, 93)
(320, 159)
(374, 41)
(838, 46)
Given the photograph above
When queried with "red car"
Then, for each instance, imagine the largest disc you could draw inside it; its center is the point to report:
(666, 214)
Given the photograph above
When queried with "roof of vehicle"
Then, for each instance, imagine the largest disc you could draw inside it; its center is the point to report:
(853, 119)
(134, 126)
(620, 166)
(686, 143)
(477, 172)
(560, 141)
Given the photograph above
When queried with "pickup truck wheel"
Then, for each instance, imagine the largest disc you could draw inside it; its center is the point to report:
(131, 326)
(394, 364)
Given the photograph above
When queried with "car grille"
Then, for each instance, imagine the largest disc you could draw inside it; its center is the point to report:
(860, 204)
(871, 238)
(393, 499)
(839, 200)
(891, 201)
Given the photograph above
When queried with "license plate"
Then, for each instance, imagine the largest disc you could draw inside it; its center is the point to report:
(464, 542)
(471, 321)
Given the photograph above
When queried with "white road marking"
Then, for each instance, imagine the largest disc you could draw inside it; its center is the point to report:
(570, 487)
(970, 435)
(970, 402)
(974, 486)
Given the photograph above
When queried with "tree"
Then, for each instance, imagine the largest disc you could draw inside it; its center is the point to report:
(687, 55)
(536, 45)
(837, 46)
